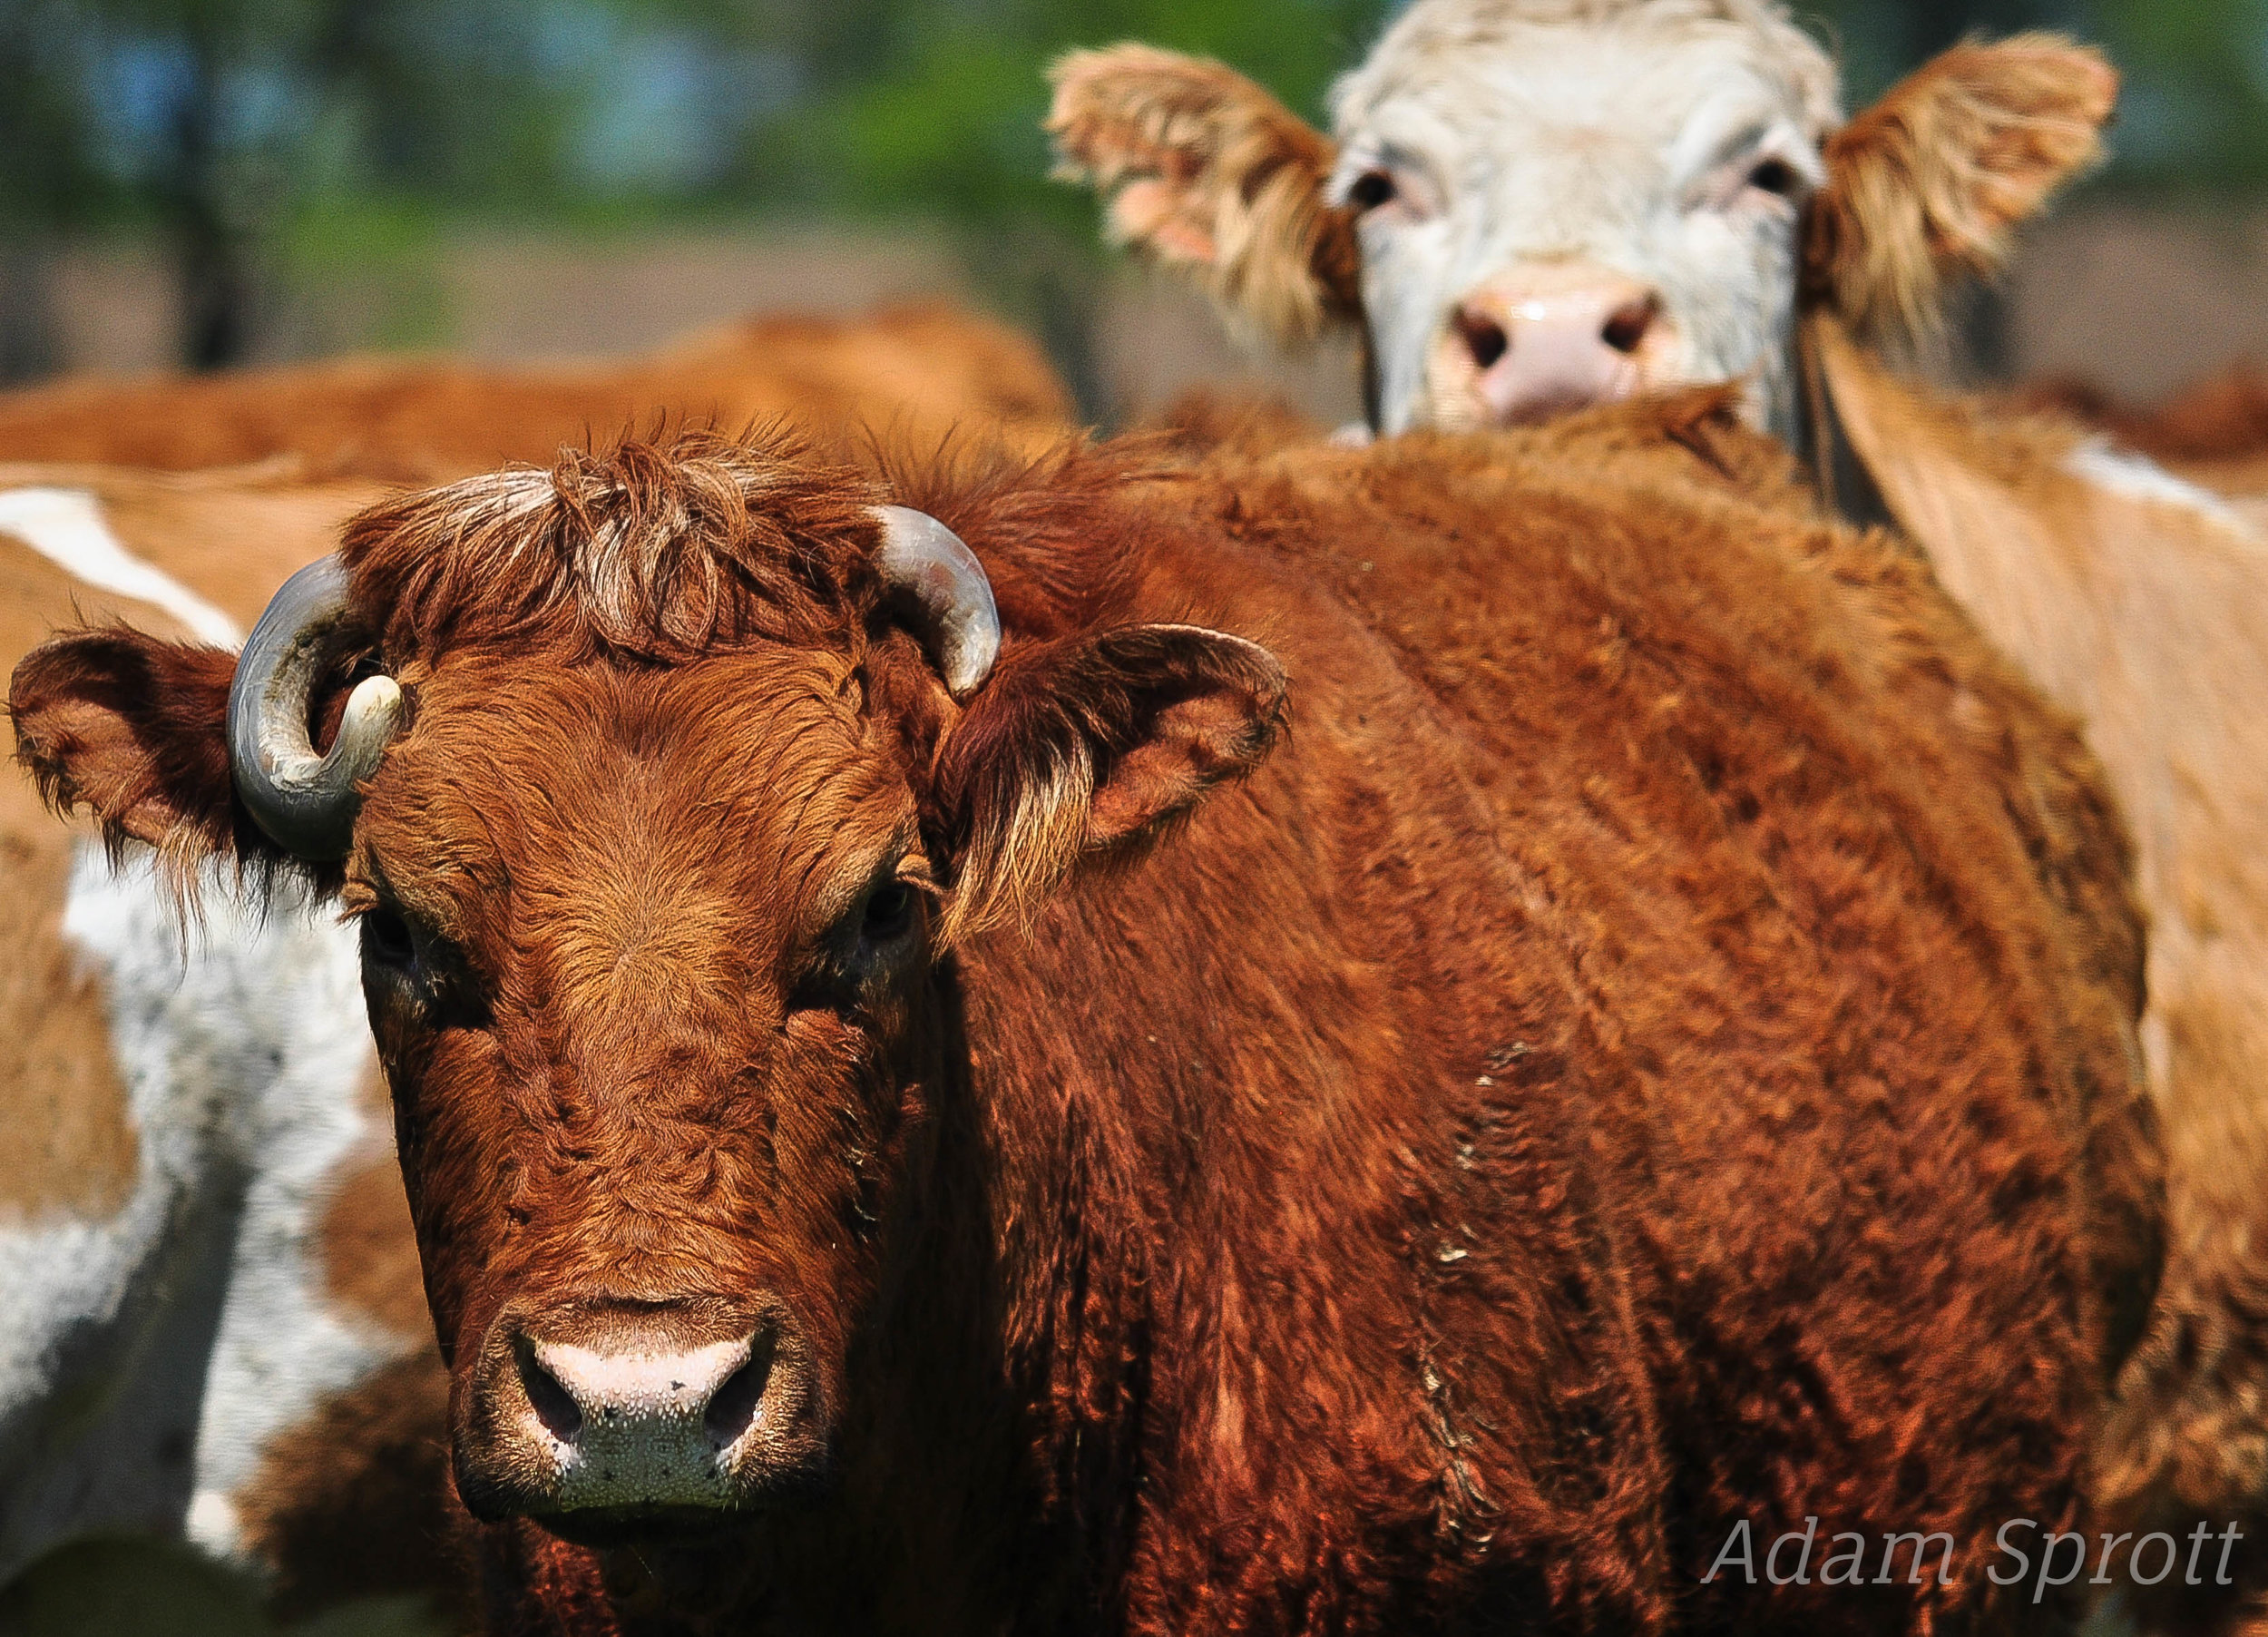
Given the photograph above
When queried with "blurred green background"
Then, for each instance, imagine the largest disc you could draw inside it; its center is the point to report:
(286, 177)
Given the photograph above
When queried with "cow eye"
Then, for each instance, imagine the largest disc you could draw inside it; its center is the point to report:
(1776, 176)
(385, 937)
(889, 912)
(1371, 188)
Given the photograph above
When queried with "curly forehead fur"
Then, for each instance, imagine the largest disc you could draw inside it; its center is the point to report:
(1437, 34)
(650, 550)
(663, 549)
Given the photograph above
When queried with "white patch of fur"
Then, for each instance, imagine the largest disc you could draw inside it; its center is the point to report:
(146, 1362)
(2133, 476)
(65, 526)
(104, 1326)
(1528, 139)
(214, 1523)
(283, 1348)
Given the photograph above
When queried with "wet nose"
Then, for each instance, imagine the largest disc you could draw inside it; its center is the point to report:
(1531, 348)
(692, 1403)
(631, 1415)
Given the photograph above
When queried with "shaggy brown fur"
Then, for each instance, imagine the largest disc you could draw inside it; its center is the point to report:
(2151, 622)
(1925, 186)
(1205, 169)
(912, 372)
(2146, 617)
(1648, 1049)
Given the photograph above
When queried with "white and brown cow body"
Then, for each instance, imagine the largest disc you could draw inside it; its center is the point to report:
(1530, 205)
(210, 1321)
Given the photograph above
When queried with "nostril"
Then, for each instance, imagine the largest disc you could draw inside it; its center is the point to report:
(1626, 326)
(1484, 337)
(733, 1407)
(554, 1405)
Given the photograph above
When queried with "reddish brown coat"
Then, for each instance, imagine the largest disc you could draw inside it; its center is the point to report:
(1649, 1049)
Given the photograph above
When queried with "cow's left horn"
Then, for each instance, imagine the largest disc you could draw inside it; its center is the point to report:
(304, 801)
(934, 564)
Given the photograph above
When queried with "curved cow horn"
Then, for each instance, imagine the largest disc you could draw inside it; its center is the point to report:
(927, 559)
(305, 802)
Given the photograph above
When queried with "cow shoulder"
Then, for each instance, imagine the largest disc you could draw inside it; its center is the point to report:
(1206, 170)
(1926, 184)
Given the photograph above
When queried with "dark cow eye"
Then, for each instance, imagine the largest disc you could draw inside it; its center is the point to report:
(1776, 176)
(1371, 188)
(889, 912)
(424, 968)
(385, 937)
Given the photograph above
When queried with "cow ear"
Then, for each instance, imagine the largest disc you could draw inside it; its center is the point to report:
(1206, 170)
(1925, 185)
(1083, 751)
(134, 728)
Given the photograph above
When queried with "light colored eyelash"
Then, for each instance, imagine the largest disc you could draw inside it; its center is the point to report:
(913, 871)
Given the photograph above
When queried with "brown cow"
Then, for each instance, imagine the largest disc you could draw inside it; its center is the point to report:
(1644, 1061)
(915, 372)
(1534, 204)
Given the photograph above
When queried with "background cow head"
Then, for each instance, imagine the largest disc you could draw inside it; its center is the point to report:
(662, 786)
(1532, 205)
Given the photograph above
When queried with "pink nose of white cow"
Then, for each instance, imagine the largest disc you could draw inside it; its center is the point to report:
(1552, 341)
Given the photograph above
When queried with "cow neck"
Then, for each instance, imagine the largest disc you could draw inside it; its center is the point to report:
(1846, 488)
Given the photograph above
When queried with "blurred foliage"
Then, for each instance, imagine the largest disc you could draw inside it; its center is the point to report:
(251, 130)
(2194, 109)
(943, 118)
(152, 1588)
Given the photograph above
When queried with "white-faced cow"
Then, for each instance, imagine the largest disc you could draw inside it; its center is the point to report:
(1528, 205)
(927, 1108)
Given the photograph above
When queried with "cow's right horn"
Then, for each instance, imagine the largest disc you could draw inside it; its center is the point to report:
(923, 557)
(305, 802)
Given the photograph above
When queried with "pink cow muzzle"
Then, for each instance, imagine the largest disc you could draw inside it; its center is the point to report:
(618, 1420)
(1541, 342)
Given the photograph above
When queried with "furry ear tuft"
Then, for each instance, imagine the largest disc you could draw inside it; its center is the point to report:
(132, 728)
(1927, 184)
(1206, 170)
(1087, 749)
